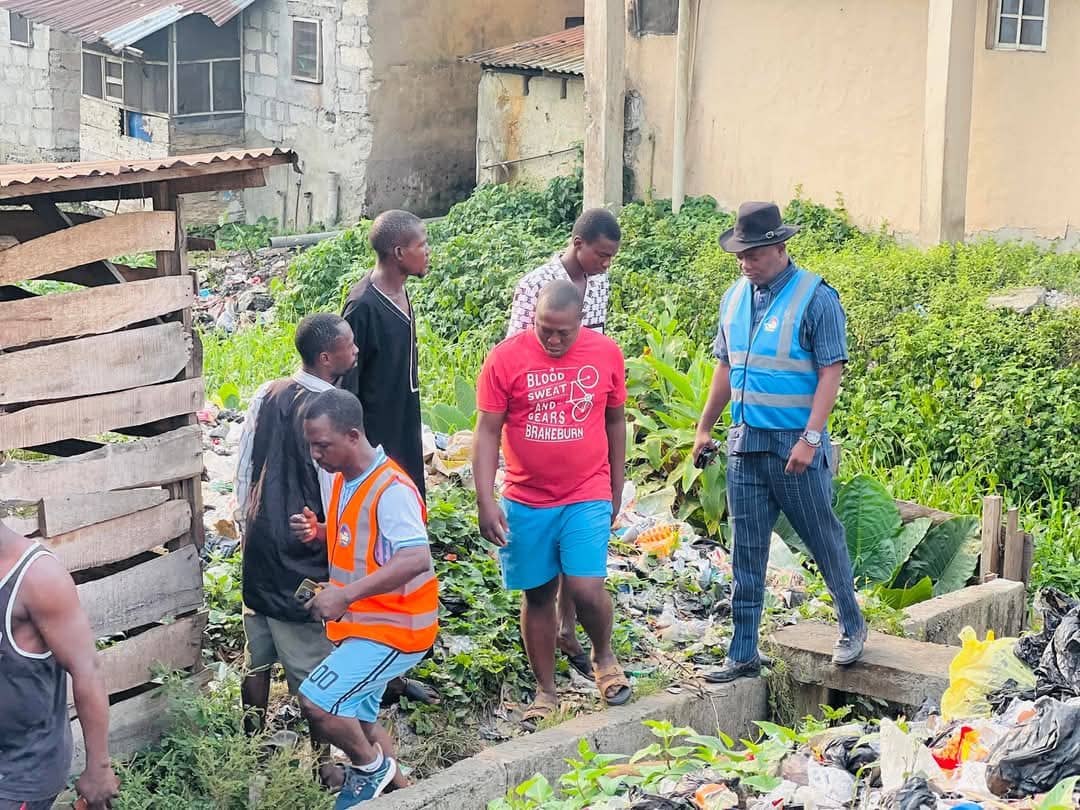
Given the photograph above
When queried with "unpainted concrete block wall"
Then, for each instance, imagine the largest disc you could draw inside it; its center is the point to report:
(101, 137)
(39, 96)
(326, 123)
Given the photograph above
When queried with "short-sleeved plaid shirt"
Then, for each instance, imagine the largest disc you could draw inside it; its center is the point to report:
(523, 308)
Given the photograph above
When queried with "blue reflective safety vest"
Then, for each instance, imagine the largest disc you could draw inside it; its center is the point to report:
(773, 378)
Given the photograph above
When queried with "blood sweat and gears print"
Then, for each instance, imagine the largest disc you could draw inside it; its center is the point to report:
(554, 436)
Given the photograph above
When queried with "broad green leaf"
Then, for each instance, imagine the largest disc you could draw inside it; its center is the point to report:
(675, 378)
(642, 419)
(713, 491)
(1061, 796)
(791, 537)
(762, 783)
(653, 451)
(871, 521)
(948, 555)
(449, 418)
(228, 396)
(901, 598)
(690, 473)
(910, 536)
(465, 395)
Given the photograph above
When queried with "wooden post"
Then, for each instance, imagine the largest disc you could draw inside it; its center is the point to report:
(1013, 566)
(1029, 555)
(990, 560)
(837, 456)
(174, 263)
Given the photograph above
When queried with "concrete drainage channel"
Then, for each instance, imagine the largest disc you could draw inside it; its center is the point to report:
(472, 783)
(909, 668)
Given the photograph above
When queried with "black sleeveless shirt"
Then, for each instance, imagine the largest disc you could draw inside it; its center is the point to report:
(35, 733)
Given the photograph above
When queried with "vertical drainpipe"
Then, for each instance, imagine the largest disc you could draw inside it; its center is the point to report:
(333, 198)
(682, 105)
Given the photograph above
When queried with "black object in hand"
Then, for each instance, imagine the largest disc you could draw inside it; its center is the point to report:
(707, 455)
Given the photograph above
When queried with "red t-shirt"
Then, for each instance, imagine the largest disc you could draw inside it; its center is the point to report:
(554, 438)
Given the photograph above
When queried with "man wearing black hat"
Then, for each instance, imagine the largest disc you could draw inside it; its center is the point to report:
(781, 348)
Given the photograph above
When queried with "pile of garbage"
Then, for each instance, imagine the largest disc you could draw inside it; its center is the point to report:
(1006, 735)
(234, 289)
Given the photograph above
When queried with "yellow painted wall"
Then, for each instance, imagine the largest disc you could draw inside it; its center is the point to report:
(1024, 159)
(512, 126)
(826, 95)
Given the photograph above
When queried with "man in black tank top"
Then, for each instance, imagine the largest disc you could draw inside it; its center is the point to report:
(44, 637)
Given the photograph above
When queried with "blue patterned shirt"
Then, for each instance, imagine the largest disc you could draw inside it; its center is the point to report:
(823, 333)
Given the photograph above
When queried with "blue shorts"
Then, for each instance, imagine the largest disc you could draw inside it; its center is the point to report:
(544, 542)
(351, 680)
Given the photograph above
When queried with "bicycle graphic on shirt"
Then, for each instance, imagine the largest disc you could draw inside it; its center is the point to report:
(581, 397)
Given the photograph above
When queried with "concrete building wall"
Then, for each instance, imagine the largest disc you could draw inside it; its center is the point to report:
(826, 96)
(39, 97)
(1025, 149)
(524, 129)
(423, 103)
(101, 136)
(328, 123)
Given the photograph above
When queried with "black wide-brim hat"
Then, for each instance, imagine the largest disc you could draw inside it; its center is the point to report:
(756, 225)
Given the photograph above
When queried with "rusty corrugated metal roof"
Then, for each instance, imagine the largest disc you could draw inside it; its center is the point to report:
(561, 52)
(119, 24)
(20, 179)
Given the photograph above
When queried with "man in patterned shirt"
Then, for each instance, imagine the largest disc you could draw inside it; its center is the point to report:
(593, 244)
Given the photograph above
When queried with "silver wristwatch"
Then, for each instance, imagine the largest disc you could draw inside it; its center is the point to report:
(812, 438)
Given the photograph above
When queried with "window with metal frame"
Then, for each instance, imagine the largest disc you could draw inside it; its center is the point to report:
(1020, 25)
(138, 83)
(208, 78)
(21, 30)
(307, 49)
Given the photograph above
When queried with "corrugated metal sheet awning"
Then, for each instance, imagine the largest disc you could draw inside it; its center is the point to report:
(561, 52)
(120, 24)
(23, 179)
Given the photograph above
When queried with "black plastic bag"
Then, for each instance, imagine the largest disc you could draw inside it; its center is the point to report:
(848, 754)
(1034, 756)
(914, 794)
(1059, 667)
(1053, 606)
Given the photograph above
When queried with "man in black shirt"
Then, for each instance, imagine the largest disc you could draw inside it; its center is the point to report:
(275, 478)
(378, 310)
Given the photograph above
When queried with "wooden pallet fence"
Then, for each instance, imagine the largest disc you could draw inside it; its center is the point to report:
(106, 380)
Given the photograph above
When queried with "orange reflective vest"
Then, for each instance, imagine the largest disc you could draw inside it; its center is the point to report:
(406, 618)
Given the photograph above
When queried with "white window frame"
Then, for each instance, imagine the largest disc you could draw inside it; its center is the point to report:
(106, 80)
(318, 50)
(29, 43)
(1019, 17)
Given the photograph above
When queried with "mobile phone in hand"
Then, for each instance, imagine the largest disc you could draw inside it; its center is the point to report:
(307, 591)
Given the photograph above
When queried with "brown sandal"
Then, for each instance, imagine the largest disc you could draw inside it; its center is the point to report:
(612, 677)
(542, 707)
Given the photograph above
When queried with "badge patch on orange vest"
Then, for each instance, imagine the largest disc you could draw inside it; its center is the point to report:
(344, 538)
(771, 324)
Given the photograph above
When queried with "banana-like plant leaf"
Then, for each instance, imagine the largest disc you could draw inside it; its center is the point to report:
(911, 534)
(465, 395)
(901, 598)
(676, 379)
(690, 472)
(713, 490)
(791, 537)
(871, 521)
(948, 555)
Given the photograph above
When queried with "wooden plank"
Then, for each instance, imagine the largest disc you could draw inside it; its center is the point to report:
(174, 263)
(990, 559)
(159, 589)
(91, 312)
(233, 181)
(1013, 565)
(90, 242)
(27, 225)
(121, 537)
(56, 187)
(1029, 558)
(899, 670)
(95, 365)
(60, 514)
(94, 275)
(134, 724)
(91, 416)
(909, 511)
(172, 456)
(137, 660)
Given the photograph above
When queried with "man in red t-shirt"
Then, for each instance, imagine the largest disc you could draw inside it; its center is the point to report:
(554, 394)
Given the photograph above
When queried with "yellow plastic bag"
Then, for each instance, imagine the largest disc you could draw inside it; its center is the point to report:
(981, 667)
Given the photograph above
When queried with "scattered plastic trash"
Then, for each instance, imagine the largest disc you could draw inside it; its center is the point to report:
(831, 787)
(904, 754)
(915, 794)
(979, 669)
(1034, 756)
(715, 797)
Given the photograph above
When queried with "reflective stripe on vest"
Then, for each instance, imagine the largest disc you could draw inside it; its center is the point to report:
(773, 378)
(406, 618)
